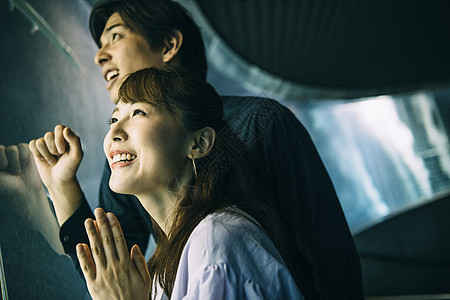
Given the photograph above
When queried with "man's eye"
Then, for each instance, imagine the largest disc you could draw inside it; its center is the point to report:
(139, 112)
(116, 36)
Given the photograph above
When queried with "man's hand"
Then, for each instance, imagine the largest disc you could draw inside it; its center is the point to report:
(18, 174)
(22, 193)
(110, 271)
(58, 155)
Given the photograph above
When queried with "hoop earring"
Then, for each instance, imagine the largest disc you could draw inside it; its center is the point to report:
(194, 168)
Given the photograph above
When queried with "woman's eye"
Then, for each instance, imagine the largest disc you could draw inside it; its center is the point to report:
(139, 112)
(112, 121)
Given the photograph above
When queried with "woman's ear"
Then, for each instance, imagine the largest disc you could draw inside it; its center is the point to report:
(172, 46)
(204, 140)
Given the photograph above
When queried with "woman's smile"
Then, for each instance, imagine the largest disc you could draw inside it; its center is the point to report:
(121, 158)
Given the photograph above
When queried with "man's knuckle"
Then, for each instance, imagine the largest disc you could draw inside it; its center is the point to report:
(40, 142)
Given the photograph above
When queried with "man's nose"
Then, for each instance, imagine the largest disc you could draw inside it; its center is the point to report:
(102, 56)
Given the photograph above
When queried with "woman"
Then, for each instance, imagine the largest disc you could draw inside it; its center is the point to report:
(166, 146)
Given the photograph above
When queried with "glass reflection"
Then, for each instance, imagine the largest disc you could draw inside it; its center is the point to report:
(384, 154)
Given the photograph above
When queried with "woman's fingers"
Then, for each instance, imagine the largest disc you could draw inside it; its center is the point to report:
(109, 270)
(96, 244)
(86, 262)
(106, 234)
(108, 244)
(119, 239)
(139, 262)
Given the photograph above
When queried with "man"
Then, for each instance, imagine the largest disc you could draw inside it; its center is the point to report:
(283, 160)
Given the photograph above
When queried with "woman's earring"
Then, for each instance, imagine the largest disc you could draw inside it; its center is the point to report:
(193, 167)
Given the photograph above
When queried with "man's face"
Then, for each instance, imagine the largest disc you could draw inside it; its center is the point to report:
(123, 52)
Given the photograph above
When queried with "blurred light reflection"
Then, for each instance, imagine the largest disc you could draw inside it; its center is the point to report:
(383, 154)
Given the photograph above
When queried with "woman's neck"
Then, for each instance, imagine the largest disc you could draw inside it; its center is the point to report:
(160, 207)
(161, 204)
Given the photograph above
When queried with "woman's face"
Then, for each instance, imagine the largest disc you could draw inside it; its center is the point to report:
(147, 149)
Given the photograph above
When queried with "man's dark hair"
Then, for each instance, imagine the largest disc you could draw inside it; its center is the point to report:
(155, 20)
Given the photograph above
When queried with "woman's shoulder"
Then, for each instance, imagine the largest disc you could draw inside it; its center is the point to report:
(231, 246)
(227, 227)
(231, 237)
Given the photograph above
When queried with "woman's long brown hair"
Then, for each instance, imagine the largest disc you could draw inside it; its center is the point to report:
(220, 182)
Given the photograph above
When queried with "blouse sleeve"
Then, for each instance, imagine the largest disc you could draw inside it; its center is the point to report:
(220, 281)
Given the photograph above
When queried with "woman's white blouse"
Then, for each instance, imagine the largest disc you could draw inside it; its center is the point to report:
(229, 257)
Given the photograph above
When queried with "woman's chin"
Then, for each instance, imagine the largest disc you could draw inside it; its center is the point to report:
(120, 188)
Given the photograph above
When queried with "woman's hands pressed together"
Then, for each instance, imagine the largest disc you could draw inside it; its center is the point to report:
(110, 271)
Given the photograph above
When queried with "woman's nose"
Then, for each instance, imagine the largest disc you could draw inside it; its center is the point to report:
(117, 139)
(118, 132)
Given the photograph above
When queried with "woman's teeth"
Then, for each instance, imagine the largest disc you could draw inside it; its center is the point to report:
(123, 157)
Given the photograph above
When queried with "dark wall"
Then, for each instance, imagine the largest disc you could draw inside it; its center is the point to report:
(408, 254)
(41, 88)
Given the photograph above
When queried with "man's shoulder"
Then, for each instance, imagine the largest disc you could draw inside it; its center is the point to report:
(246, 112)
(250, 103)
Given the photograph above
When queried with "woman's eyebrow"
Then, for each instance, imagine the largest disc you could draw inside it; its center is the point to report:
(115, 110)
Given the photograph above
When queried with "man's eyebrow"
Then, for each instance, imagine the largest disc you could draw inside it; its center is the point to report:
(113, 26)
(108, 29)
